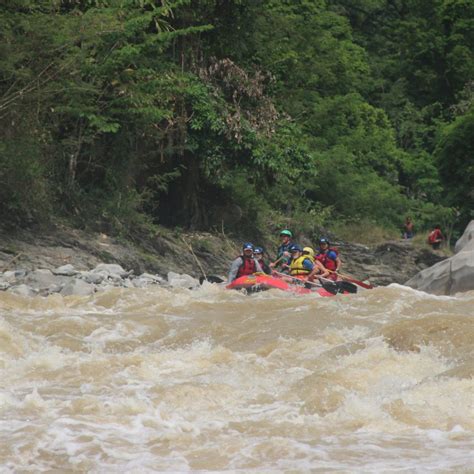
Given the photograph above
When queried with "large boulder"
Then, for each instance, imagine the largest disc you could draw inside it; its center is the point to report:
(466, 242)
(453, 275)
(45, 281)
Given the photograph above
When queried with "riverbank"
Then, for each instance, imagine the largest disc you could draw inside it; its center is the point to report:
(193, 254)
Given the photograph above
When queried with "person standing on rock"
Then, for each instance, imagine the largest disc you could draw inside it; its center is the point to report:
(408, 229)
(244, 264)
(436, 237)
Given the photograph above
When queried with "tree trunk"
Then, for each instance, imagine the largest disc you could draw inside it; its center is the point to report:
(192, 207)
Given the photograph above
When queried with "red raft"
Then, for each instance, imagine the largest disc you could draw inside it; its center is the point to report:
(255, 283)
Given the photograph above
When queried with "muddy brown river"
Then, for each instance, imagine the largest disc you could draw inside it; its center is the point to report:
(169, 380)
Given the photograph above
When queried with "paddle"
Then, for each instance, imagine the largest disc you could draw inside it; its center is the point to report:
(334, 287)
(211, 279)
(273, 264)
(329, 285)
(341, 285)
(368, 286)
(297, 280)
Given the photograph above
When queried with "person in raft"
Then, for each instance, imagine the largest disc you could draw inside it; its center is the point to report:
(283, 254)
(258, 254)
(435, 237)
(244, 264)
(302, 266)
(329, 257)
(309, 252)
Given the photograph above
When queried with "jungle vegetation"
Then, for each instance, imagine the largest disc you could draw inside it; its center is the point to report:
(236, 113)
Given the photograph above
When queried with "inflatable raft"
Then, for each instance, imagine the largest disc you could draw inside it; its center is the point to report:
(253, 283)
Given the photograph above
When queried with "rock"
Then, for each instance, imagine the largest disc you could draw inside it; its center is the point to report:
(453, 275)
(146, 279)
(23, 290)
(78, 287)
(65, 270)
(435, 279)
(52, 289)
(177, 280)
(127, 283)
(154, 278)
(93, 278)
(43, 279)
(14, 276)
(462, 270)
(4, 285)
(466, 242)
(111, 269)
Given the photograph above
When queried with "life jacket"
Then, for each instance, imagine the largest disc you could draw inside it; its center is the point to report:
(297, 268)
(328, 263)
(266, 269)
(247, 267)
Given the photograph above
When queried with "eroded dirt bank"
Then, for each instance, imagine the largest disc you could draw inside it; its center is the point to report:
(190, 253)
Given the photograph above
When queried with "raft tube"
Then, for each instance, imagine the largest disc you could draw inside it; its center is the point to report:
(255, 283)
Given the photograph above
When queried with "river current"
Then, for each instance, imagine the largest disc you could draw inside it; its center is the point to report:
(147, 380)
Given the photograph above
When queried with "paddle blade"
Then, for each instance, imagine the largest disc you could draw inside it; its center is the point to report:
(346, 286)
(211, 279)
(329, 286)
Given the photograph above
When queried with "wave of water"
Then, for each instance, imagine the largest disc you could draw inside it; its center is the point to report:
(178, 380)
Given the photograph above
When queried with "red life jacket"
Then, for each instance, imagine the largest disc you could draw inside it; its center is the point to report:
(247, 268)
(326, 261)
(434, 236)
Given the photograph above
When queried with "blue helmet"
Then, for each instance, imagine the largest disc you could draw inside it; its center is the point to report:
(258, 250)
(323, 240)
(247, 246)
(295, 248)
(332, 255)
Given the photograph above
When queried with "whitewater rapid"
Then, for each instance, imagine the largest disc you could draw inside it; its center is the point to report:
(147, 380)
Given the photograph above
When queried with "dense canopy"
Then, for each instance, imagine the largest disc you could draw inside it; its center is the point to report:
(217, 113)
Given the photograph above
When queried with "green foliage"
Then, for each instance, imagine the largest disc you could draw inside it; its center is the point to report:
(201, 113)
(455, 155)
(24, 193)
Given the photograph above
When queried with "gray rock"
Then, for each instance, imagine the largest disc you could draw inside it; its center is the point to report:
(23, 290)
(127, 283)
(147, 279)
(78, 287)
(93, 278)
(139, 283)
(462, 270)
(467, 239)
(177, 280)
(453, 275)
(435, 279)
(42, 279)
(4, 285)
(65, 270)
(14, 276)
(154, 278)
(111, 269)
